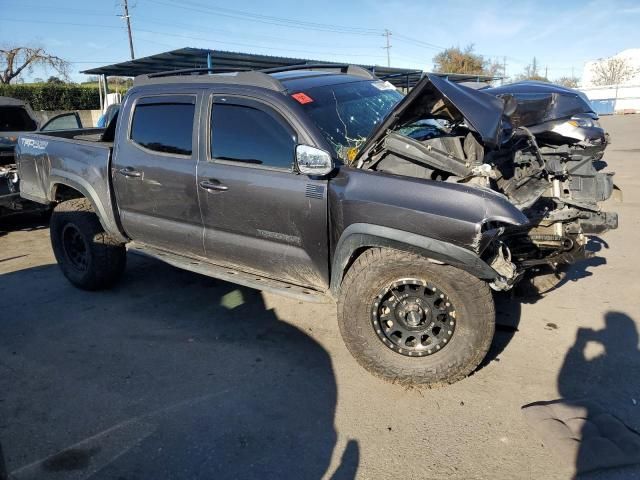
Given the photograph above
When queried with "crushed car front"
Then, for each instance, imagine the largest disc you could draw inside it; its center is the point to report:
(537, 147)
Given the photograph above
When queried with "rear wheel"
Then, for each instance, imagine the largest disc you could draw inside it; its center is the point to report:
(410, 321)
(88, 257)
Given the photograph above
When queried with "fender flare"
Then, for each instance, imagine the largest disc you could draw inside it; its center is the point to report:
(106, 218)
(358, 235)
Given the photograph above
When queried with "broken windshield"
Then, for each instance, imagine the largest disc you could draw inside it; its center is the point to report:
(347, 113)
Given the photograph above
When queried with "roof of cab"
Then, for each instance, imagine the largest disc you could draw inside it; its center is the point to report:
(279, 79)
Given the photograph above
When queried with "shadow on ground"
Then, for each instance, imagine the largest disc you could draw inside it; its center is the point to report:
(594, 426)
(170, 375)
(509, 304)
(25, 221)
(600, 374)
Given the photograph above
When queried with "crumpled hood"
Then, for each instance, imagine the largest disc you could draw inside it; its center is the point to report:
(437, 98)
(539, 102)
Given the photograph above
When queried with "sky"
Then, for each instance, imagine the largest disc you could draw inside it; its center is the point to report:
(562, 35)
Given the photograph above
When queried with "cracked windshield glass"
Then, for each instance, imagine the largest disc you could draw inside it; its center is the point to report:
(347, 113)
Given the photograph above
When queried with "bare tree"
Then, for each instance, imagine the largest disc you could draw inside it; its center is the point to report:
(532, 72)
(571, 82)
(14, 60)
(612, 71)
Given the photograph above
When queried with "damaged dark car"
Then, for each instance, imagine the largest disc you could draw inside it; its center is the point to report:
(537, 143)
(324, 183)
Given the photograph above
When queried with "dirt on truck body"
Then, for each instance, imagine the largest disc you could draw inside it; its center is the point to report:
(322, 182)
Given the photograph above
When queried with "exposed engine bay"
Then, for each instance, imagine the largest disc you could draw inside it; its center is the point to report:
(538, 144)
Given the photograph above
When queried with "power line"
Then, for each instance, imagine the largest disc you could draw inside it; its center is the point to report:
(189, 37)
(267, 19)
(194, 28)
(419, 43)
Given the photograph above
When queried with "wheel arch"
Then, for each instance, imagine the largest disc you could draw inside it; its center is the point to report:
(359, 237)
(62, 189)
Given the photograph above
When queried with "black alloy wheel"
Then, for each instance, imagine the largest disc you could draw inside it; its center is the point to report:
(413, 317)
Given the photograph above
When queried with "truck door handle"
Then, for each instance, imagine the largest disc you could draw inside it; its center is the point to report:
(213, 184)
(130, 172)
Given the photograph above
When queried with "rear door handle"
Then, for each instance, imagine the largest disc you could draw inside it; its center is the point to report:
(213, 184)
(130, 172)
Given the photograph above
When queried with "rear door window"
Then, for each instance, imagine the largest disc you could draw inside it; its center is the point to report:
(252, 135)
(66, 121)
(164, 124)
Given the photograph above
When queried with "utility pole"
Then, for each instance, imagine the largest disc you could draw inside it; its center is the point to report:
(387, 34)
(546, 71)
(128, 20)
(504, 70)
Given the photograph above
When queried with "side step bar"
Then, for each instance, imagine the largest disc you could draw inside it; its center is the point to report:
(250, 280)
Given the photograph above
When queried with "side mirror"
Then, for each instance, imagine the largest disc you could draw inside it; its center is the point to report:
(313, 161)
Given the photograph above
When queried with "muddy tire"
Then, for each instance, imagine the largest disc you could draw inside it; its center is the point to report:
(88, 257)
(410, 321)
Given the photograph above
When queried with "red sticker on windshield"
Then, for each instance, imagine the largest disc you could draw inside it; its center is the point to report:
(302, 98)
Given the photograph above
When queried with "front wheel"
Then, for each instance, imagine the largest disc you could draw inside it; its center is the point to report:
(410, 321)
(88, 257)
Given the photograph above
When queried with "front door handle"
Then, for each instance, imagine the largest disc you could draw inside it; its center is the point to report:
(130, 172)
(213, 184)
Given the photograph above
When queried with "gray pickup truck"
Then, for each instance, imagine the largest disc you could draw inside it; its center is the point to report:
(322, 182)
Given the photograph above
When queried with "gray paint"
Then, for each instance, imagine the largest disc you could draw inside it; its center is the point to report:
(264, 222)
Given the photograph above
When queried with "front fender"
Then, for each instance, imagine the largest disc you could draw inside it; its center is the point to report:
(359, 235)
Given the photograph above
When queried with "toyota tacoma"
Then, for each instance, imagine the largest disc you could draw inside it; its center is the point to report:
(324, 183)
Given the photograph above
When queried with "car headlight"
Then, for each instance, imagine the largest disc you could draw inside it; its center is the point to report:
(584, 122)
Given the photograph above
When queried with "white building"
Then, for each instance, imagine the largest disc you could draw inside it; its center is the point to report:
(621, 98)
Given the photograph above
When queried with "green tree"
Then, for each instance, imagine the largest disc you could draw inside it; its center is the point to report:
(457, 60)
(55, 80)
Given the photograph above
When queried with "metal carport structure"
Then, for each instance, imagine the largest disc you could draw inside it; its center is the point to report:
(205, 58)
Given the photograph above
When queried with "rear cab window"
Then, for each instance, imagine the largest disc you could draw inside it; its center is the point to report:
(164, 124)
(249, 133)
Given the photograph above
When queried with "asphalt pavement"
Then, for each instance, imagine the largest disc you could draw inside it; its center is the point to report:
(176, 375)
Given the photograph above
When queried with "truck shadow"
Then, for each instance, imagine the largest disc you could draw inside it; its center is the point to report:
(24, 221)
(170, 375)
(509, 304)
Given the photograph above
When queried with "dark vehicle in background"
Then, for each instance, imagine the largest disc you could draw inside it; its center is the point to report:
(323, 183)
(17, 117)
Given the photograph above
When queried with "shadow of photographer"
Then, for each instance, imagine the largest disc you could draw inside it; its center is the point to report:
(596, 423)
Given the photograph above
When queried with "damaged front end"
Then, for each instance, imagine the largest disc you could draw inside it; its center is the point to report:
(538, 144)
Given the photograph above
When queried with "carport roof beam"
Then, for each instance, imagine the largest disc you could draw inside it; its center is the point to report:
(201, 58)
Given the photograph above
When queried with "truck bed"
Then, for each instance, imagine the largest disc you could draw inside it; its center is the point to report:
(71, 159)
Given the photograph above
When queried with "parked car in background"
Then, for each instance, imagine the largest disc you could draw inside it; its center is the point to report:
(16, 116)
(107, 116)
